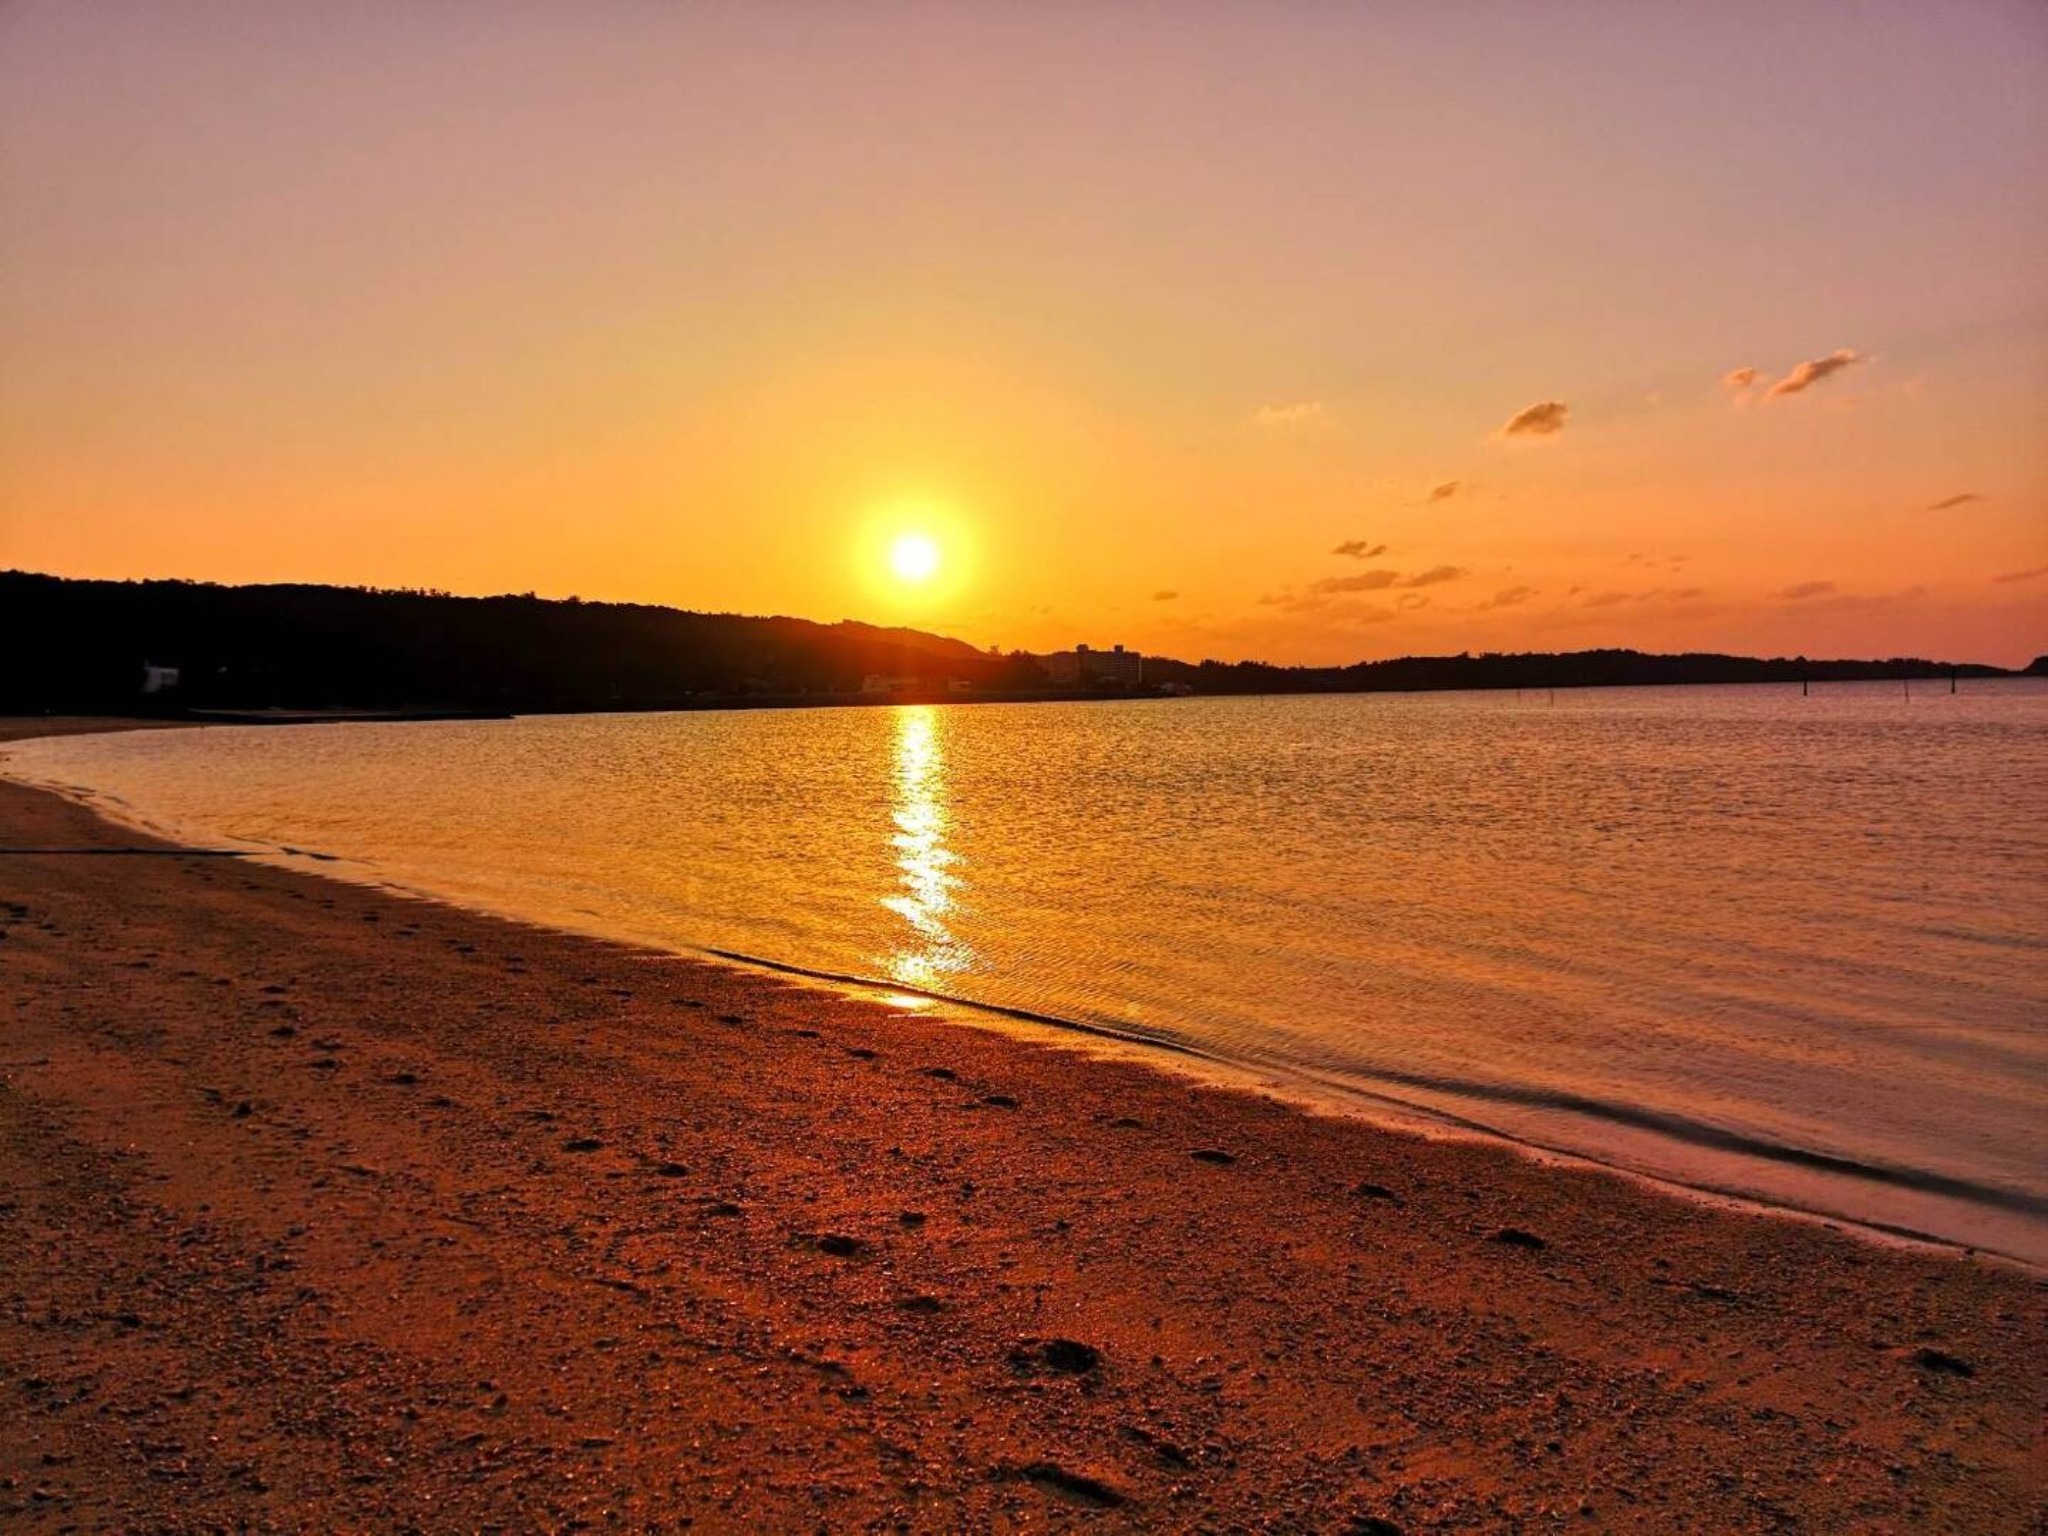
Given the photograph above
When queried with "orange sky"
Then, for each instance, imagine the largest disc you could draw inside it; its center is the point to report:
(1201, 331)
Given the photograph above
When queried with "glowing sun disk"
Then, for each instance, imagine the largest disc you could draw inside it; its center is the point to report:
(914, 557)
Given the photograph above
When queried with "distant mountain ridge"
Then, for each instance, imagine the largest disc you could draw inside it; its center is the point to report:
(83, 645)
(1611, 668)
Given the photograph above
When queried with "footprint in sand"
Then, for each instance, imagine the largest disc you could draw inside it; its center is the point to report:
(1942, 1362)
(1076, 1486)
(1067, 1357)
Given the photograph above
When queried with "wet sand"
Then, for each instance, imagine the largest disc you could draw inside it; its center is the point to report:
(326, 1209)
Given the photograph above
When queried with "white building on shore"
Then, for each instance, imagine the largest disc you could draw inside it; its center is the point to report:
(1084, 665)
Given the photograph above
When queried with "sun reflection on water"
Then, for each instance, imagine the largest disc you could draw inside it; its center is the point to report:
(925, 882)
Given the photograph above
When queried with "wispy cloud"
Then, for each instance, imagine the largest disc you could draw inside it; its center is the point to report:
(2012, 576)
(1288, 415)
(1445, 491)
(1605, 599)
(1436, 575)
(1812, 371)
(1512, 597)
(1543, 419)
(1736, 380)
(1364, 581)
(1327, 592)
(1800, 591)
(1331, 604)
(1360, 549)
(1962, 498)
(1164, 595)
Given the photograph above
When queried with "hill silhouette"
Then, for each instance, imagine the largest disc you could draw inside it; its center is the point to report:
(83, 645)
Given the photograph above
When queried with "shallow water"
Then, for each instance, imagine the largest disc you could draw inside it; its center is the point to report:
(1786, 947)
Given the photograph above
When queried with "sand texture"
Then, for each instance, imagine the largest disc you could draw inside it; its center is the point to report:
(322, 1209)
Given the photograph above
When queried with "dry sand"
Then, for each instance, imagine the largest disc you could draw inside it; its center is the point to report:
(322, 1209)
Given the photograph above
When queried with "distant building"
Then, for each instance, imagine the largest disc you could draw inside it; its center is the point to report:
(1084, 665)
(959, 685)
(156, 679)
(880, 682)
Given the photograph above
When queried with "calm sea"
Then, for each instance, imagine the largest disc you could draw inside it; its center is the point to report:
(1791, 948)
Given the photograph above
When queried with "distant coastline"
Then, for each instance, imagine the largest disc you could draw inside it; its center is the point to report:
(300, 653)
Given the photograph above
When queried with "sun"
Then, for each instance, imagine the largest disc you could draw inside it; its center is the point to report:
(914, 558)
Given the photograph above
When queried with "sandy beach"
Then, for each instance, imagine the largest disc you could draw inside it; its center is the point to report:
(327, 1209)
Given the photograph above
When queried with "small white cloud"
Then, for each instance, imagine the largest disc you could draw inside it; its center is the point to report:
(1288, 415)
(1812, 371)
(1545, 418)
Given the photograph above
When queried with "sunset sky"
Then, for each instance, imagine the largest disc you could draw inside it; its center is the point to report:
(1307, 332)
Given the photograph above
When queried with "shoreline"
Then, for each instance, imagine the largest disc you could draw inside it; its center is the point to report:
(338, 1207)
(1381, 1103)
(199, 715)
